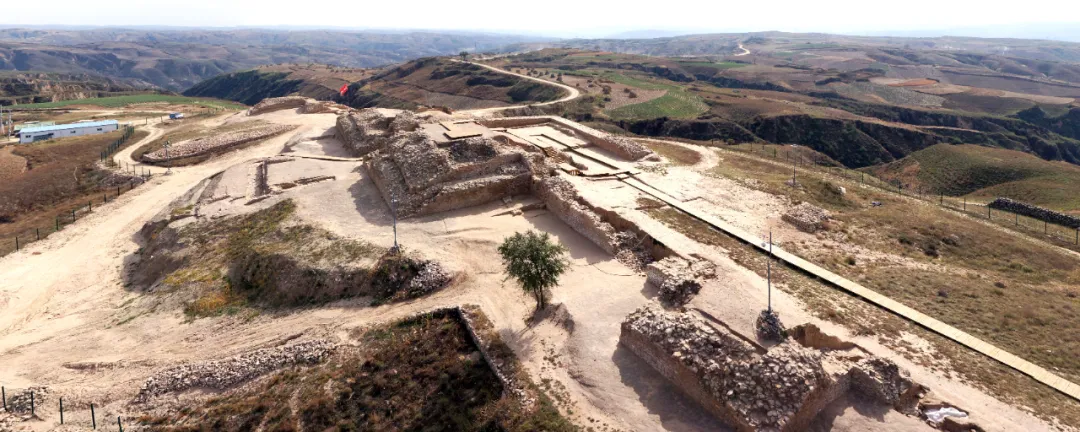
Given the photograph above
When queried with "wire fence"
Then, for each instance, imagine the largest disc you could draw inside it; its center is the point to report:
(801, 159)
(29, 405)
(19, 240)
(118, 144)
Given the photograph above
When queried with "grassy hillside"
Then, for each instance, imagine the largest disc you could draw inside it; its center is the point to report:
(983, 172)
(250, 87)
(441, 82)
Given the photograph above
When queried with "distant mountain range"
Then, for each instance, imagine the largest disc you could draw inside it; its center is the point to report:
(178, 59)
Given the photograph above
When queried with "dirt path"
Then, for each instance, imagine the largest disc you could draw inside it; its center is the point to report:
(573, 92)
(745, 51)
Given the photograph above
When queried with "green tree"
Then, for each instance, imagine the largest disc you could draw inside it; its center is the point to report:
(535, 262)
(464, 55)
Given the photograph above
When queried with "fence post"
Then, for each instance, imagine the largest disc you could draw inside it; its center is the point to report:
(61, 410)
(93, 418)
(58, 222)
(16, 243)
(37, 232)
(90, 206)
(3, 391)
(118, 424)
(32, 404)
(72, 215)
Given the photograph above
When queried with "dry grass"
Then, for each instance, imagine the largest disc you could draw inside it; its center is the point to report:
(62, 176)
(675, 154)
(422, 373)
(830, 304)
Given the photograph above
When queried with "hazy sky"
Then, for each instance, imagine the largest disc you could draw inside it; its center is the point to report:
(553, 17)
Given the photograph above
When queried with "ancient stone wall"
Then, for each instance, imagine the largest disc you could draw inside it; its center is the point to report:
(215, 143)
(278, 103)
(783, 389)
(561, 198)
(1035, 212)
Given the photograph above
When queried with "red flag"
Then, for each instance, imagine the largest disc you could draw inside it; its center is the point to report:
(344, 88)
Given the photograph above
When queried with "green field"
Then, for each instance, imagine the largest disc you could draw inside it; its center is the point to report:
(986, 173)
(677, 103)
(121, 101)
(716, 65)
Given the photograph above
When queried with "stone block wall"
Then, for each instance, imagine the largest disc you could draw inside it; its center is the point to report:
(1035, 212)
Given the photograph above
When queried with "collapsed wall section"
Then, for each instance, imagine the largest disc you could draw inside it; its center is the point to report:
(782, 389)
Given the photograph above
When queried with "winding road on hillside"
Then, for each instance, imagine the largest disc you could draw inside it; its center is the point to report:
(745, 51)
(573, 92)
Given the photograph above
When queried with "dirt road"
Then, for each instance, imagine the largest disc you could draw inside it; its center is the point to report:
(745, 51)
(573, 92)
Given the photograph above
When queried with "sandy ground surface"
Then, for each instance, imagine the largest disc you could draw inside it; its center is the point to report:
(64, 304)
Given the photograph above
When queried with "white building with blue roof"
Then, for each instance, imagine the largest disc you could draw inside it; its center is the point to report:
(42, 133)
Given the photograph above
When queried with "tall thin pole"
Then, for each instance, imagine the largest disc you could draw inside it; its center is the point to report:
(768, 267)
(393, 209)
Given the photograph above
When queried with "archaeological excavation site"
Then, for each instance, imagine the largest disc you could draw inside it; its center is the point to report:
(304, 265)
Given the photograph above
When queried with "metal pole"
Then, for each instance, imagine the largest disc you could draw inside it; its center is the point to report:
(118, 424)
(768, 266)
(61, 410)
(393, 209)
(3, 392)
(37, 232)
(93, 418)
(32, 404)
(16, 243)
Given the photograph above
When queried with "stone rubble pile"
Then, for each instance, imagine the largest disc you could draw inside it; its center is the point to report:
(631, 250)
(200, 146)
(19, 401)
(278, 103)
(678, 279)
(431, 277)
(222, 374)
(1035, 212)
(807, 217)
(312, 106)
(751, 388)
(769, 327)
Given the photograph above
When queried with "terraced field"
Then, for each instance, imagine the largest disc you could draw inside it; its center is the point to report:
(676, 103)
